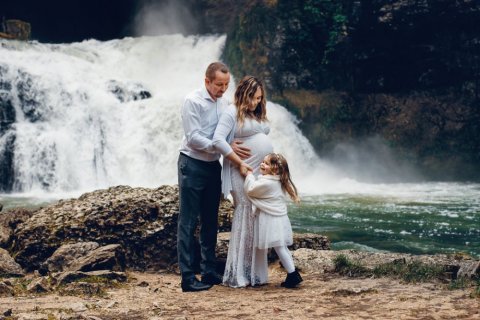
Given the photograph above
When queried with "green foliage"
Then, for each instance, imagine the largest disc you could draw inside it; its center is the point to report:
(337, 34)
(96, 279)
(345, 266)
(290, 44)
(461, 283)
(20, 286)
(414, 271)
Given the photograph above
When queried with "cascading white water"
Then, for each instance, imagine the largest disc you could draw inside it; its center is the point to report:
(79, 128)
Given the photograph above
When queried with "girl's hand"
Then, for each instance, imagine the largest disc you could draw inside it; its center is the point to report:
(244, 169)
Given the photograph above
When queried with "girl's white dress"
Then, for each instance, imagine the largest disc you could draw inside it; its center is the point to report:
(272, 227)
(241, 268)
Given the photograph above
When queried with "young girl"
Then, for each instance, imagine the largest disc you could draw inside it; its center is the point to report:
(272, 226)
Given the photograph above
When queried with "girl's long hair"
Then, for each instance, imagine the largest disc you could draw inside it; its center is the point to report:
(243, 99)
(279, 166)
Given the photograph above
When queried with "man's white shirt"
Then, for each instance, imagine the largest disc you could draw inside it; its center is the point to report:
(200, 115)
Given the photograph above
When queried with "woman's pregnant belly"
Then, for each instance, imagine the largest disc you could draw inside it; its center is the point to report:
(260, 146)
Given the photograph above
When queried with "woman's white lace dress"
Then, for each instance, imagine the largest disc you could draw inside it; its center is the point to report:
(241, 268)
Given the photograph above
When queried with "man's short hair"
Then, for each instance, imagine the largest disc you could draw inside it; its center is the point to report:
(213, 68)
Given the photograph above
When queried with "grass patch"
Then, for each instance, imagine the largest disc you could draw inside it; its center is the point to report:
(99, 280)
(90, 286)
(411, 272)
(414, 271)
(461, 283)
(347, 267)
(20, 286)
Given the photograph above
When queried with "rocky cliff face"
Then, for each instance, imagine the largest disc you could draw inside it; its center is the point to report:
(406, 71)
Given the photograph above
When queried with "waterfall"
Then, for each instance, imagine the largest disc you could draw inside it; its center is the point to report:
(83, 116)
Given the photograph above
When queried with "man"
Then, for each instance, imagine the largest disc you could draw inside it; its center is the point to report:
(199, 178)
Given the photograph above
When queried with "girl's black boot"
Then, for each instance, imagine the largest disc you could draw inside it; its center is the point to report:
(292, 280)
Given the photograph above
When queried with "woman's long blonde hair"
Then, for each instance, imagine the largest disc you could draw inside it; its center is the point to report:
(279, 166)
(243, 99)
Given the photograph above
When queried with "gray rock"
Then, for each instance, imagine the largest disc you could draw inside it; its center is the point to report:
(7, 313)
(8, 266)
(109, 257)
(66, 255)
(469, 269)
(310, 241)
(108, 275)
(39, 285)
(309, 260)
(5, 235)
(78, 307)
(111, 304)
(64, 278)
(9, 221)
(85, 256)
(82, 288)
(6, 290)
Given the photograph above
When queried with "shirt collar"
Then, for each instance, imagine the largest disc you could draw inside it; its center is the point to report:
(206, 95)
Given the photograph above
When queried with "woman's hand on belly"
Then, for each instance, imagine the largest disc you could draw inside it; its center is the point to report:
(242, 151)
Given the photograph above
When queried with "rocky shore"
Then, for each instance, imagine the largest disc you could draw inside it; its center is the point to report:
(111, 254)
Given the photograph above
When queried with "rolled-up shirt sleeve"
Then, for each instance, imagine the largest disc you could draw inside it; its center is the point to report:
(224, 127)
(191, 115)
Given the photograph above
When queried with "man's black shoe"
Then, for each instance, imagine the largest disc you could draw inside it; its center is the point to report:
(193, 285)
(212, 278)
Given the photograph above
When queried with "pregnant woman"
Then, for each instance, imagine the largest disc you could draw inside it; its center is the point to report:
(245, 120)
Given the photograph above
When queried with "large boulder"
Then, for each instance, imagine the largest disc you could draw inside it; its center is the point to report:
(142, 221)
(8, 266)
(85, 256)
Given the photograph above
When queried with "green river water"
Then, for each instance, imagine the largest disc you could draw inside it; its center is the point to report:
(423, 218)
